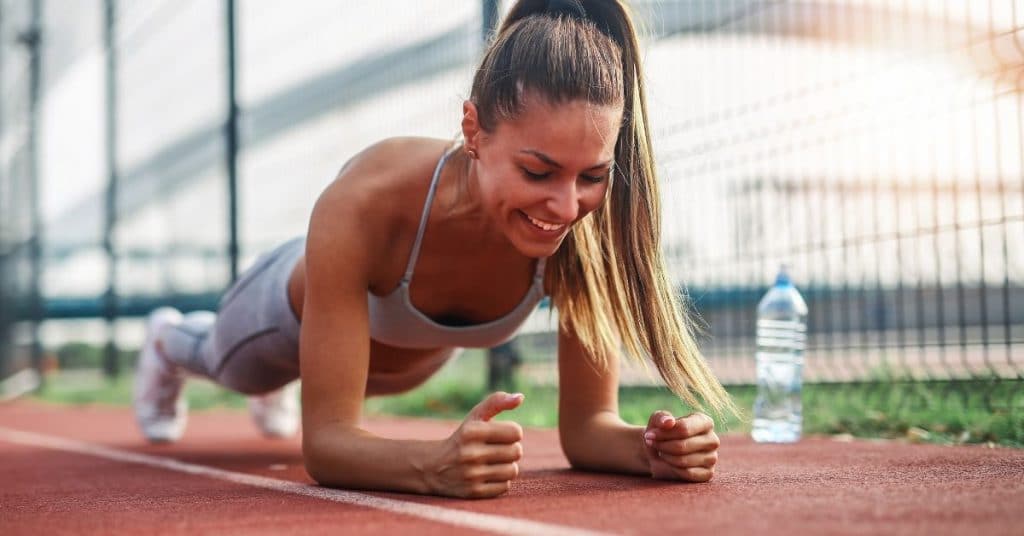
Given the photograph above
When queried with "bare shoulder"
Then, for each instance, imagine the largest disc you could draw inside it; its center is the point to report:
(378, 194)
(385, 174)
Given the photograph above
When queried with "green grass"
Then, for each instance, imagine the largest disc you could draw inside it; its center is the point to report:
(935, 412)
(90, 387)
(938, 412)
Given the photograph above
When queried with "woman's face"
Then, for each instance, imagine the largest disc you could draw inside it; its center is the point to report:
(545, 170)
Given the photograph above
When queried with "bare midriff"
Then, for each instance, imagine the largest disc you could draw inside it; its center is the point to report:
(392, 370)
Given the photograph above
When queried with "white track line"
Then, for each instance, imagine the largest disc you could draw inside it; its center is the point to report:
(460, 518)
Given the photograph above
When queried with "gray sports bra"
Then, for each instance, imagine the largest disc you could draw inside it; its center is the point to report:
(396, 322)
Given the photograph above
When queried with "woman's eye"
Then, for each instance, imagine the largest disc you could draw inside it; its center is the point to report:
(535, 176)
(540, 176)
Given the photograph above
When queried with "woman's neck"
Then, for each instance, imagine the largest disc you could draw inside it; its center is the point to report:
(462, 209)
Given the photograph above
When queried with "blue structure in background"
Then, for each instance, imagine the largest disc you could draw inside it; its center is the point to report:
(954, 309)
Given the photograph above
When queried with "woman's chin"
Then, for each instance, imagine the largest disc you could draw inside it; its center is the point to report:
(537, 250)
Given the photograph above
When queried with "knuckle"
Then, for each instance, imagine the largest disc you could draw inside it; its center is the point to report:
(476, 492)
(471, 429)
(469, 455)
(510, 430)
(696, 475)
(473, 475)
(505, 471)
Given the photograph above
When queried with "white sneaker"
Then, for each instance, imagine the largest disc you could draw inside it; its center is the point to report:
(276, 414)
(160, 409)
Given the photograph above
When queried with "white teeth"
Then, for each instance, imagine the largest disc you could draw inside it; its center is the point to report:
(545, 225)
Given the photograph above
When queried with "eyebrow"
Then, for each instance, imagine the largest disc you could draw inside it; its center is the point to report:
(549, 161)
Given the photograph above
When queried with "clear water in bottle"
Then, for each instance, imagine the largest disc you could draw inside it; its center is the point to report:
(781, 333)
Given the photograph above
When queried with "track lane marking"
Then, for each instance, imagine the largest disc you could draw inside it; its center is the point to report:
(461, 518)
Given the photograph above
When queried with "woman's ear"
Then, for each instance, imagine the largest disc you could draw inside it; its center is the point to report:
(470, 125)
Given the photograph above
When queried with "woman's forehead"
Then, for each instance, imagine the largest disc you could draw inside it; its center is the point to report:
(574, 125)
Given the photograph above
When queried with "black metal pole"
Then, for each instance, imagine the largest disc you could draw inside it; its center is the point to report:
(31, 38)
(111, 366)
(231, 134)
(4, 301)
(502, 360)
(490, 19)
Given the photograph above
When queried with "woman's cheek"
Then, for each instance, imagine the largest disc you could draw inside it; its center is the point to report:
(594, 198)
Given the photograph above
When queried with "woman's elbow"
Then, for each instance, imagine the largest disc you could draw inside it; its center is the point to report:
(573, 449)
(312, 459)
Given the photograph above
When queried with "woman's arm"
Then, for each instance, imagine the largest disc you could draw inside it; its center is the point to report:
(346, 239)
(595, 438)
(335, 354)
(593, 435)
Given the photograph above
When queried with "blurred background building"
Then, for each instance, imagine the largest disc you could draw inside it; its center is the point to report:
(151, 149)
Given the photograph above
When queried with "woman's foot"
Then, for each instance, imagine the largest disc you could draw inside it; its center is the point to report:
(160, 409)
(276, 414)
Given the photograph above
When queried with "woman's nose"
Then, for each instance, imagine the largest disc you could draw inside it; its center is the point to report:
(565, 202)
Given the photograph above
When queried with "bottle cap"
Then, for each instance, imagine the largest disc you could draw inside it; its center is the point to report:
(782, 280)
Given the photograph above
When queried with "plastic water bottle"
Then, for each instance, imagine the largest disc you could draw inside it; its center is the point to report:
(781, 332)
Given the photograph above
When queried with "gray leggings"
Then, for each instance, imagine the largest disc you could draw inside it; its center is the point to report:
(252, 344)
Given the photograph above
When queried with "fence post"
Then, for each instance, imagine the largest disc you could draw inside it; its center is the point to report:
(111, 365)
(503, 359)
(31, 39)
(489, 20)
(231, 135)
(4, 300)
(502, 362)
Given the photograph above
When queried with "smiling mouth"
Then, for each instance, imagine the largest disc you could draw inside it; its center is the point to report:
(542, 225)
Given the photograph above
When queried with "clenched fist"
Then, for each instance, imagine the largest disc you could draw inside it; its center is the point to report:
(681, 449)
(479, 459)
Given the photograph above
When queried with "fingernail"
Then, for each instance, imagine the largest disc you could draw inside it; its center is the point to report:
(665, 420)
(649, 442)
(649, 436)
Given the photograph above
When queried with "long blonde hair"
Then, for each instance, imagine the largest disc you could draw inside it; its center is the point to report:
(608, 279)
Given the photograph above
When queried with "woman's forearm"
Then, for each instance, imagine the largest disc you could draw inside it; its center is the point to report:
(605, 443)
(352, 458)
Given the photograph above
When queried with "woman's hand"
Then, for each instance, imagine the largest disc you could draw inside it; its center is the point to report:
(479, 459)
(681, 449)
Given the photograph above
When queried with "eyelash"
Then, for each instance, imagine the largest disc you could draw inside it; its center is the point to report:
(542, 176)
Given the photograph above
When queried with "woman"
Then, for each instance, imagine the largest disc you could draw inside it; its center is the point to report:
(421, 246)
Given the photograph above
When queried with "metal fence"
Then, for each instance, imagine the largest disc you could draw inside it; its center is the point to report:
(875, 147)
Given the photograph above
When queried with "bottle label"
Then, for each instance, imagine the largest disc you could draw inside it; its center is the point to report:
(789, 334)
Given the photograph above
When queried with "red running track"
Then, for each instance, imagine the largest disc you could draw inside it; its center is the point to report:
(818, 486)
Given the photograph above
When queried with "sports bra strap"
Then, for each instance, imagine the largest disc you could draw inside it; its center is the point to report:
(426, 215)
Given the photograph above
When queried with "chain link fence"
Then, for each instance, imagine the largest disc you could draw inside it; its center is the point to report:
(874, 147)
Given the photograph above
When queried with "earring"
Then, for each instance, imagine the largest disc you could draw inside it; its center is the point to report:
(471, 153)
